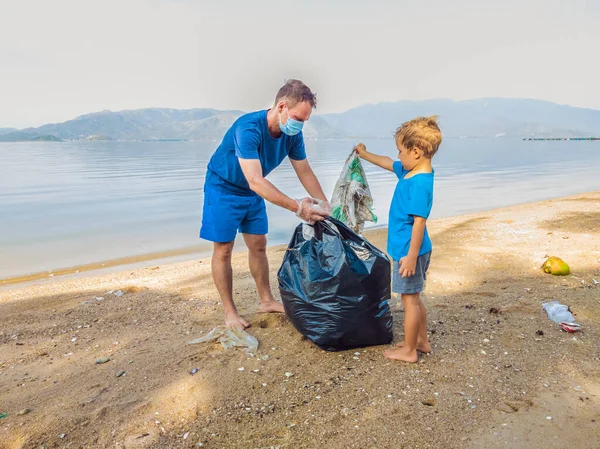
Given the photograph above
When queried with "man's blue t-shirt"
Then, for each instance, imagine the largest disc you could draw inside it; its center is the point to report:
(249, 138)
(412, 197)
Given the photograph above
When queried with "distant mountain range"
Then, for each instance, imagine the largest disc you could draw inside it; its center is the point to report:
(7, 130)
(486, 117)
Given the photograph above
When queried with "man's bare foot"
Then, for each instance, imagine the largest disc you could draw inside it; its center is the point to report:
(271, 307)
(235, 321)
(401, 354)
(421, 347)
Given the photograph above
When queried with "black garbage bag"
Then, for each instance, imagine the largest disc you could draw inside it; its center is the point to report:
(335, 287)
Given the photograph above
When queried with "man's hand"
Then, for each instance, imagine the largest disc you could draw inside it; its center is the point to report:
(326, 207)
(311, 210)
(361, 150)
(408, 266)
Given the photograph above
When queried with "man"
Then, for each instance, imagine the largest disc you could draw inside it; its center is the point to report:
(235, 190)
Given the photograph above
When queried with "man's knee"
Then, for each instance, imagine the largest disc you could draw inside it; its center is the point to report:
(222, 251)
(257, 244)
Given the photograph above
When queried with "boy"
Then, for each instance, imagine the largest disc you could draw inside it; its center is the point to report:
(408, 241)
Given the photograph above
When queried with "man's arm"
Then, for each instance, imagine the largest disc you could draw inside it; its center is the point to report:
(260, 185)
(380, 161)
(308, 179)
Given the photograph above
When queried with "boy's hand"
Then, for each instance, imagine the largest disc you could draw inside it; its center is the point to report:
(408, 266)
(361, 149)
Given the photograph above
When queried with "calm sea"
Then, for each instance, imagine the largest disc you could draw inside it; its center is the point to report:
(73, 203)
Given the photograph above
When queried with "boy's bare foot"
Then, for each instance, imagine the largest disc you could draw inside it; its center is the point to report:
(271, 307)
(401, 354)
(421, 347)
(235, 321)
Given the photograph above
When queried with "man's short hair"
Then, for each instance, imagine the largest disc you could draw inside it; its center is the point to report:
(295, 91)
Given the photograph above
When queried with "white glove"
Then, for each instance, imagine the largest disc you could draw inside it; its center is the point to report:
(312, 210)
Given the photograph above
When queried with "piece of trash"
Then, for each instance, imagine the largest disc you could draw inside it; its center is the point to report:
(549, 418)
(3, 415)
(194, 371)
(339, 271)
(357, 353)
(556, 267)
(121, 373)
(256, 371)
(230, 338)
(560, 314)
(264, 385)
(186, 435)
(289, 375)
(351, 202)
(119, 293)
(570, 327)
(102, 360)
(73, 340)
(23, 412)
(595, 282)
(241, 369)
(62, 436)
(539, 333)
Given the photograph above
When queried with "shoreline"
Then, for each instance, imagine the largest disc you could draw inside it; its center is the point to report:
(127, 261)
(199, 252)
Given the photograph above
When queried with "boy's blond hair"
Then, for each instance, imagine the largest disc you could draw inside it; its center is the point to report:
(421, 132)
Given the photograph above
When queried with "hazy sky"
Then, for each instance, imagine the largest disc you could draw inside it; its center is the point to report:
(63, 58)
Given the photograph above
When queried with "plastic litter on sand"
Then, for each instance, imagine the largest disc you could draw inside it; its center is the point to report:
(229, 338)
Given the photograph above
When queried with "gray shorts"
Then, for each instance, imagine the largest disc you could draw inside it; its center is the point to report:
(416, 282)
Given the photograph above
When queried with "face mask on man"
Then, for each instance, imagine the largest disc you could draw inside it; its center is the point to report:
(291, 127)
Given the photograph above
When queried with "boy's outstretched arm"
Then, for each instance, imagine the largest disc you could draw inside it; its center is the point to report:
(380, 161)
(408, 264)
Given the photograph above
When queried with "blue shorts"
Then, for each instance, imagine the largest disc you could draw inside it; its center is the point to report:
(224, 214)
(416, 282)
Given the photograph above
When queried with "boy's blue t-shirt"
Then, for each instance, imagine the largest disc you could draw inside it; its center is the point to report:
(249, 138)
(412, 197)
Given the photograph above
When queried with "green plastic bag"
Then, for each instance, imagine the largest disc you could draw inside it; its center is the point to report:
(352, 202)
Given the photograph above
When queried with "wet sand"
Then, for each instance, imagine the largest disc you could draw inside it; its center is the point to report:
(500, 375)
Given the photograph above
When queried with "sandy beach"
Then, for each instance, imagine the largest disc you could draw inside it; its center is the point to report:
(501, 374)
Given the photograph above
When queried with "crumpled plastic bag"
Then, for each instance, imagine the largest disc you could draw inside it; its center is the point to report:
(351, 202)
(557, 312)
(229, 338)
